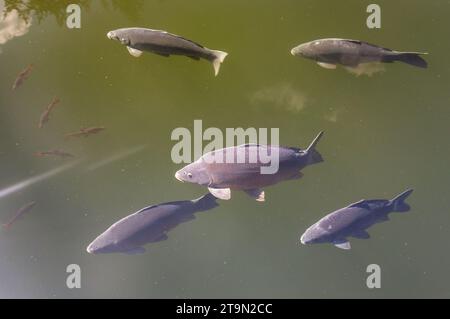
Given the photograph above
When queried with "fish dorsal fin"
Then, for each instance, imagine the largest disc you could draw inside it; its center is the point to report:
(250, 144)
(180, 37)
(367, 43)
(361, 204)
(183, 38)
(146, 209)
(355, 41)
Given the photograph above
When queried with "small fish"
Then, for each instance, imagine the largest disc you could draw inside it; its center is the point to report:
(45, 116)
(54, 153)
(20, 213)
(351, 53)
(221, 177)
(353, 221)
(165, 44)
(22, 77)
(85, 132)
(149, 225)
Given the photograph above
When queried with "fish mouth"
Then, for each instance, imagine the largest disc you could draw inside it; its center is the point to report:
(90, 249)
(111, 35)
(178, 176)
(302, 240)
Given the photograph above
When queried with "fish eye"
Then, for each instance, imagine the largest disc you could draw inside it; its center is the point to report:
(189, 175)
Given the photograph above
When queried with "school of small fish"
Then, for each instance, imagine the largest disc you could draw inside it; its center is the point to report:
(151, 224)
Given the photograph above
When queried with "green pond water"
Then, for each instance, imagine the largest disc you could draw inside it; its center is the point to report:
(383, 134)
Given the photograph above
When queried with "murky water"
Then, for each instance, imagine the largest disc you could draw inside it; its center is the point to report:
(384, 133)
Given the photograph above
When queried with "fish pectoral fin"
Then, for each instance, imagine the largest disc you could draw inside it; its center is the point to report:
(328, 66)
(136, 251)
(258, 194)
(221, 193)
(342, 244)
(297, 175)
(383, 218)
(187, 218)
(134, 52)
(163, 237)
(361, 234)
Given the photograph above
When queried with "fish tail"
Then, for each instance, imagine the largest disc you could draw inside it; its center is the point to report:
(219, 57)
(398, 202)
(206, 202)
(411, 58)
(314, 156)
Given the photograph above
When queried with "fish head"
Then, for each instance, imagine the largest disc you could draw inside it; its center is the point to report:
(119, 35)
(311, 50)
(315, 235)
(102, 245)
(195, 173)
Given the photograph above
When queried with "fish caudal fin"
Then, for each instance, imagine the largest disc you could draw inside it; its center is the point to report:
(219, 57)
(411, 58)
(398, 202)
(314, 156)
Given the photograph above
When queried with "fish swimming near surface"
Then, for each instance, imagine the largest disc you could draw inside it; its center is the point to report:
(20, 213)
(138, 40)
(22, 77)
(353, 221)
(149, 225)
(221, 176)
(328, 53)
(53, 153)
(85, 132)
(45, 116)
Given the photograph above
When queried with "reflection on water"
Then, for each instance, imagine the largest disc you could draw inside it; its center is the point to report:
(282, 96)
(35, 179)
(116, 157)
(368, 69)
(40, 9)
(131, 11)
(12, 25)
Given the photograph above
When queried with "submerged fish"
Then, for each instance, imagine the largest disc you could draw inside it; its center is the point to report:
(221, 176)
(353, 221)
(85, 132)
(22, 211)
(56, 153)
(149, 225)
(22, 77)
(45, 116)
(165, 44)
(351, 53)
